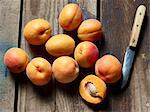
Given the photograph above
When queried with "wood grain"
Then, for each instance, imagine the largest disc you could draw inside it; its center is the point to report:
(67, 96)
(54, 96)
(9, 25)
(117, 17)
(32, 98)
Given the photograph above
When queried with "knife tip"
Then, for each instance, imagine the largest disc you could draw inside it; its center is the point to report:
(123, 86)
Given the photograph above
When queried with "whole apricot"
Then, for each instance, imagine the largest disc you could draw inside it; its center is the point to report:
(37, 31)
(108, 68)
(16, 59)
(65, 69)
(86, 54)
(70, 17)
(60, 45)
(39, 71)
(90, 30)
(92, 89)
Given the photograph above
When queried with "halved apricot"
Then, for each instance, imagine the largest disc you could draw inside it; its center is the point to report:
(92, 89)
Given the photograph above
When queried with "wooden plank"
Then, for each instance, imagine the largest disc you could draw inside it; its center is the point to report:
(32, 98)
(117, 17)
(67, 96)
(52, 97)
(9, 25)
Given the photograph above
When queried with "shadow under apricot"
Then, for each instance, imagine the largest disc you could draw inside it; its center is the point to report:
(104, 105)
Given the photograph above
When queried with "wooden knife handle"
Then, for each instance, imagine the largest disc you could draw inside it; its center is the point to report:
(137, 25)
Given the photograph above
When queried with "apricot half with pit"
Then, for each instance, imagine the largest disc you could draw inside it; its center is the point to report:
(70, 17)
(92, 89)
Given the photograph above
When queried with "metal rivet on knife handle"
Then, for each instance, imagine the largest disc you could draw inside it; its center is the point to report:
(137, 25)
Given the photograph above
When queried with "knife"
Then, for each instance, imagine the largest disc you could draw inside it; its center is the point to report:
(130, 51)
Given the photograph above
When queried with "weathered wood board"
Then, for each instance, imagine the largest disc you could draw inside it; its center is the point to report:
(51, 97)
(117, 17)
(30, 97)
(9, 25)
(67, 96)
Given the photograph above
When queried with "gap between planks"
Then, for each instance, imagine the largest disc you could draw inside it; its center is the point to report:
(18, 45)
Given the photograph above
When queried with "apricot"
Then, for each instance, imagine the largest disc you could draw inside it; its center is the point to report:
(65, 69)
(108, 68)
(86, 54)
(90, 30)
(16, 59)
(92, 89)
(70, 17)
(37, 31)
(39, 71)
(60, 45)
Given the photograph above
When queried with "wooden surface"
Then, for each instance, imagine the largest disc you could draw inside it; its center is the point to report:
(19, 94)
(9, 25)
(117, 29)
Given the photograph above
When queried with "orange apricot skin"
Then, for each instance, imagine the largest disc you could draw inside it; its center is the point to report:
(108, 68)
(90, 30)
(70, 17)
(16, 59)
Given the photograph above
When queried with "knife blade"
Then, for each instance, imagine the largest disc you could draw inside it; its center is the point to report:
(127, 65)
(130, 51)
